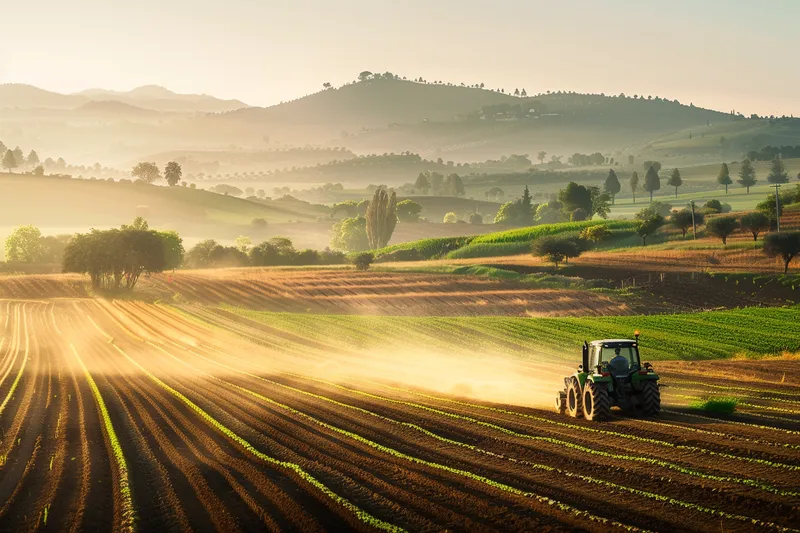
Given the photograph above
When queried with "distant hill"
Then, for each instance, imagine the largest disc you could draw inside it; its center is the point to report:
(14, 95)
(462, 122)
(369, 104)
(118, 109)
(77, 204)
(161, 99)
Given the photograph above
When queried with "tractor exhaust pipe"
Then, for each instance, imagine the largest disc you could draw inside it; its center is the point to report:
(585, 356)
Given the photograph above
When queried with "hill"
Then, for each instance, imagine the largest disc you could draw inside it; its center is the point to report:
(337, 113)
(161, 99)
(66, 205)
(16, 95)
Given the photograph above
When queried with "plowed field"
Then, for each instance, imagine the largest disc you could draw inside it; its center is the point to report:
(131, 416)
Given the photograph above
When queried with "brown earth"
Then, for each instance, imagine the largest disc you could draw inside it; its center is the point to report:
(218, 431)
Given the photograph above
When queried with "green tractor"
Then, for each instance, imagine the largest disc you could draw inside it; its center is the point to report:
(611, 374)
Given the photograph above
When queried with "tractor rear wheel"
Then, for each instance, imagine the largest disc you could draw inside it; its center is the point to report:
(596, 403)
(574, 399)
(650, 399)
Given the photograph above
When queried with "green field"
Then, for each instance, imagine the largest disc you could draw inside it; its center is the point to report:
(750, 332)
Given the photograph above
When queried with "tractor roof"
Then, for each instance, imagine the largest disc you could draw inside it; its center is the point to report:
(613, 341)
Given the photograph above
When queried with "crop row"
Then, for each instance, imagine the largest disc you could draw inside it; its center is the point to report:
(532, 465)
(297, 469)
(686, 336)
(127, 511)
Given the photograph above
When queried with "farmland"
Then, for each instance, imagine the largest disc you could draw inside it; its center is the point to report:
(134, 416)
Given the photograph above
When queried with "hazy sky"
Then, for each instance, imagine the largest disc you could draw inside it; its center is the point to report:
(724, 54)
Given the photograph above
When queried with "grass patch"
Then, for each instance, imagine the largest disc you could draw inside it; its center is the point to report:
(719, 405)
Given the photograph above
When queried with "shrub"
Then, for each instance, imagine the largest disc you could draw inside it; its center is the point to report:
(410, 254)
(362, 261)
(722, 227)
(596, 233)
(557, 249)
(408, 211)
(713, 206)
(450, 218)
(715, 405)
(258, 223)
(475, 218)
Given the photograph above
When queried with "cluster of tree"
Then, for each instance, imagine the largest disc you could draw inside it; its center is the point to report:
(768, 153)
(27, 245)
(12, 159)
(439, 185)
(374, 229)
(278, 251)
(528, 108)
(149, 173)
(117, 258)
(575, 202)
(773, 207)
(584, 160)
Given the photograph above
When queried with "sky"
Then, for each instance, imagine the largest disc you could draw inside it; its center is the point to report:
(721, 54)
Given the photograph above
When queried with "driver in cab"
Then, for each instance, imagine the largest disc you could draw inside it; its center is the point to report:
(618, 363)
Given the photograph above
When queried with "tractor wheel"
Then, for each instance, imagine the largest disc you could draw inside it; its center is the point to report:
(574, 399)
(596, 403)
(650, 399)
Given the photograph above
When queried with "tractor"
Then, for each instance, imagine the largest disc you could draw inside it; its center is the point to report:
(611, 374)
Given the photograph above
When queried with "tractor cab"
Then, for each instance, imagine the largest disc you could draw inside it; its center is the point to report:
(617, 357)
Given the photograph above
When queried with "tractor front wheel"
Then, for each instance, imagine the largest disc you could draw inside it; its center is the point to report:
(596, 403)
(650, 399)
(574, 399)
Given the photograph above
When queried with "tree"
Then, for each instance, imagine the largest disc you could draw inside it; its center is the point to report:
(557, 249)
(755, 223)
(574, 197)
(648, 226)
(747, 175)
(38, 171)
(408, 211)
(33, 159)
(422, 184)
(450, 218)
(713, 206)
(724, 177)
(24, 245)
(540, 156)
(596, 233)
(634, 184)
(173, 249)
(601, 203)
(381, 218)
(350, 234)
(475, 218)
(777, 172)
(436, 180)
(453, 186)
(652, 182)
(147, 172)
(675, 180)
(365, 75)
(612, 185)
(19, 156)
(722, 227)
(10, 161)
(327, 85)
(173, 173)
(243, 243)
(682, 220)
(785, 245)
(363, 261)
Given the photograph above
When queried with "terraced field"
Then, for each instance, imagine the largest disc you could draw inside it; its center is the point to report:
(132, 416)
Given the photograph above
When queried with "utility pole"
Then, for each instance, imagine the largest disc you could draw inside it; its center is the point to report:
(694, 225)
(778, 205)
